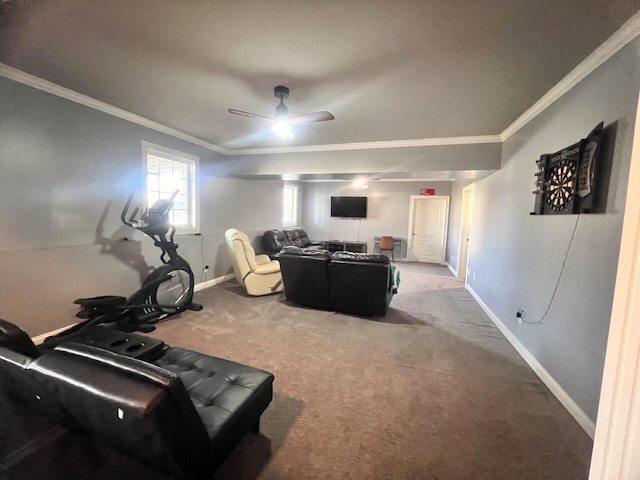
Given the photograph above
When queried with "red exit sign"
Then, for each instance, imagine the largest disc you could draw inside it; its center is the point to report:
(427, 191)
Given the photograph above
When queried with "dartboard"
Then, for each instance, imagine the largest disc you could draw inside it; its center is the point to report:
(561, 188)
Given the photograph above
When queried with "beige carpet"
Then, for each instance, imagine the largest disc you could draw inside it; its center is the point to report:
(431, 391)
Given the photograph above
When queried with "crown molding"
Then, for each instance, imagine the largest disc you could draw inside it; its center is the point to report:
(609, 47)
(419, 142)
(59, 91)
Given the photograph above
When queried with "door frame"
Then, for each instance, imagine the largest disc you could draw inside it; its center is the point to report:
(412, 200)
(616, 447)
(465, 226)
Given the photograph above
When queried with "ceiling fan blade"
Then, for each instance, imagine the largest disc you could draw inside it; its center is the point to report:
(247, 114)
(312, 117)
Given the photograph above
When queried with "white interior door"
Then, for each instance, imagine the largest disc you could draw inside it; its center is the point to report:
(429, 216)
(465, 227)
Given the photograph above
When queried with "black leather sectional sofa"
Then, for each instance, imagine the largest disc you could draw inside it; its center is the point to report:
(354, 283)
(275, 240)
(180, 411)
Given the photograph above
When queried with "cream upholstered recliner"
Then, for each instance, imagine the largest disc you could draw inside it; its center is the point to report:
(258, 274)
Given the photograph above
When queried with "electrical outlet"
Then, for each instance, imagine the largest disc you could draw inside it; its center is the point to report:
(474, 275)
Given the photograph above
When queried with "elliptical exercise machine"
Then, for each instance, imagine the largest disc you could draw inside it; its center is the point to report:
(167, 290)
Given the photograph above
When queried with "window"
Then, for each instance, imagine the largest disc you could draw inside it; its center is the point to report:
(167, 171)
(289, 204)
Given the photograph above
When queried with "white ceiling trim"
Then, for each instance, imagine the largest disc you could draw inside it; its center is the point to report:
(375, 180)
(625, 34)
(609, 47)
(59, 91)
(419, 142)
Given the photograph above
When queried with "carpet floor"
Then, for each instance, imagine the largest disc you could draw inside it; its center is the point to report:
(431, 391)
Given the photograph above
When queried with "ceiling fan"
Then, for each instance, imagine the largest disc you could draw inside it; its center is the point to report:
(281, 121)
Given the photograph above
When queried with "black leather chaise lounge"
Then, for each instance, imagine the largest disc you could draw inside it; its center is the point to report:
(177, 410)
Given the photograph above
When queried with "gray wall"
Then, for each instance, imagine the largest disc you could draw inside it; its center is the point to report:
(65, 173)
(252, 206)
(516, 258)
(387, 209)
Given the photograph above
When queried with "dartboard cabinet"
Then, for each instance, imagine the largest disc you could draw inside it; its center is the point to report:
(566, 181)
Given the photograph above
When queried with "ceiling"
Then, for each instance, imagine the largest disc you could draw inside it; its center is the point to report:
(388, 70)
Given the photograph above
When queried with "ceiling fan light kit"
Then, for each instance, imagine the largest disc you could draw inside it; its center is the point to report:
(283, 130)
(282, 123)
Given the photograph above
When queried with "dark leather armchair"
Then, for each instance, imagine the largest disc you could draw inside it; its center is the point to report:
(306, 276)
(354, 283)
(360, 284)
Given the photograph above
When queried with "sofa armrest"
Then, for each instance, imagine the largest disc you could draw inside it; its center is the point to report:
(273, 266)
(126, 365)
(13, 359)
(262, 259)
(13, 337)
(18, 381)
(395, 278)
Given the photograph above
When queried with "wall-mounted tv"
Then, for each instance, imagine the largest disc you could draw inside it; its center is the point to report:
(349, 207)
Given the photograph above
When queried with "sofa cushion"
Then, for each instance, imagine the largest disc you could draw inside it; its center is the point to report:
(297, 237)
(274, 240)
(307, 251)
(361, 257)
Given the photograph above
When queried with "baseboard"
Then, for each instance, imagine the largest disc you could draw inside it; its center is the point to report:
(572, 407)
(451, 269)
(41, 338)
(212, 282)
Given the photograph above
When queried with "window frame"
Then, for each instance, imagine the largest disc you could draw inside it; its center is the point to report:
(294, 214)
(193, 165)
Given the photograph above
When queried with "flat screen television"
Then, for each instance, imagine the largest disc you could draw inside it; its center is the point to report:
(349, 207)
